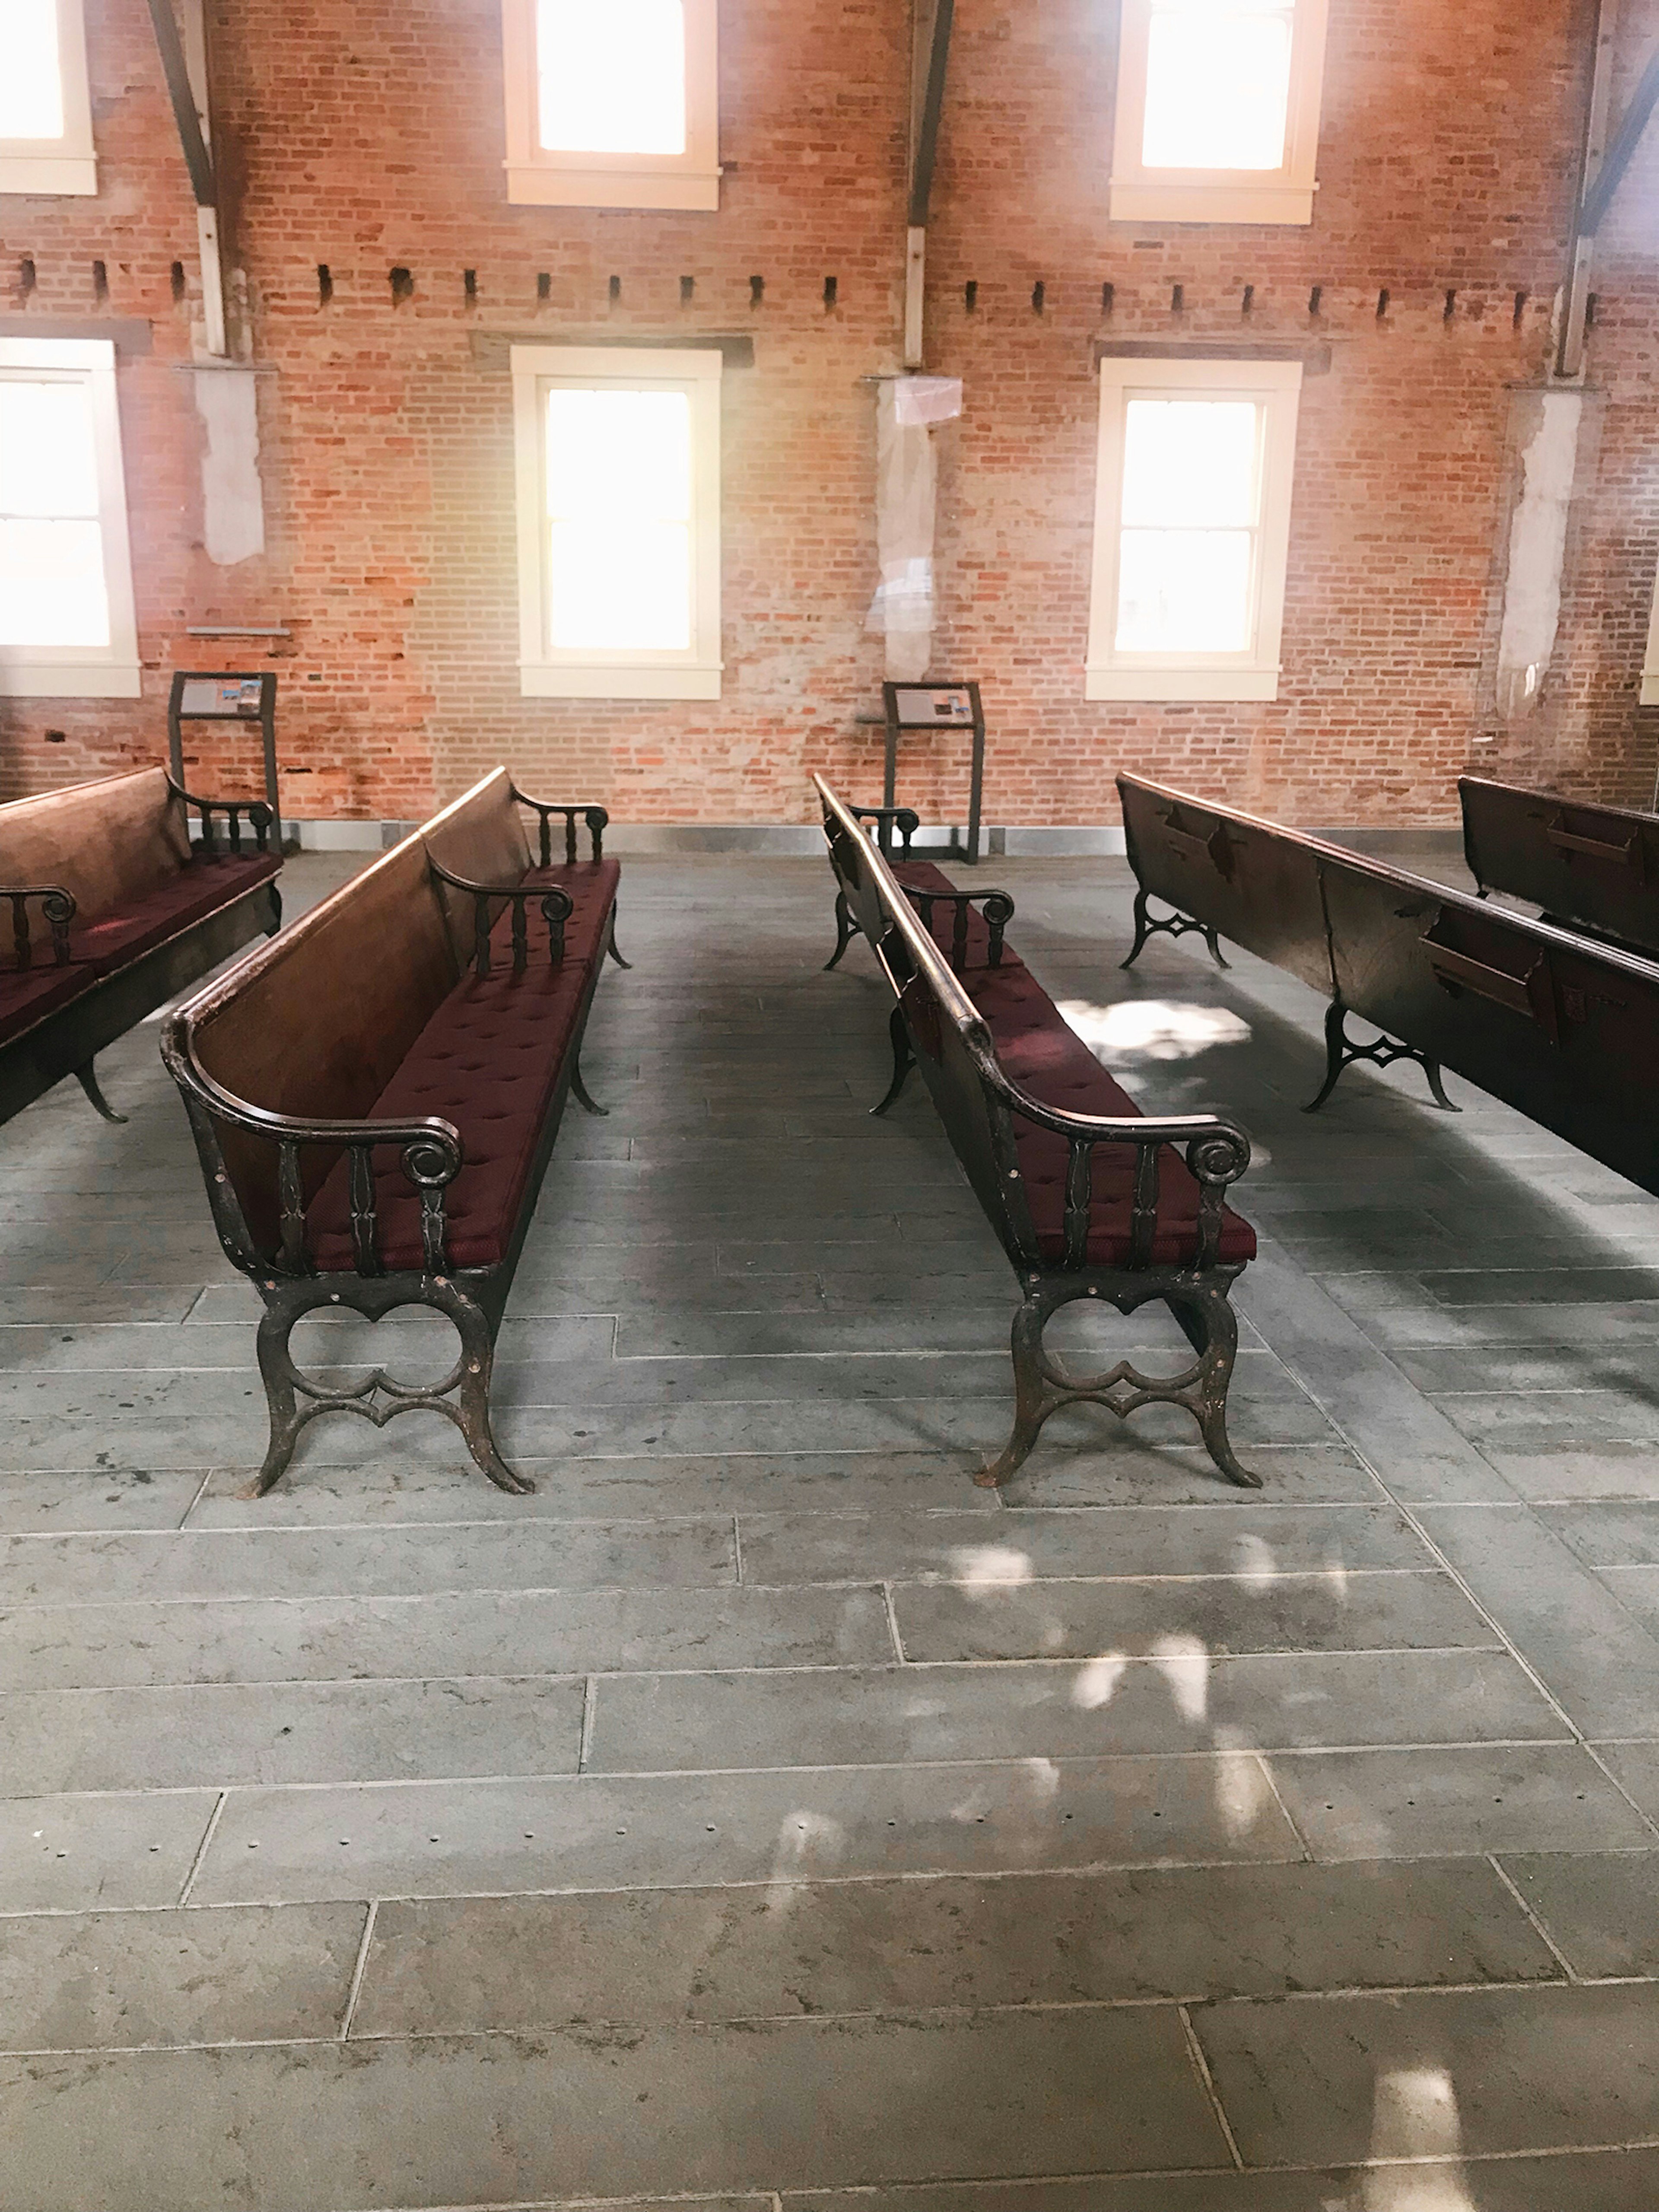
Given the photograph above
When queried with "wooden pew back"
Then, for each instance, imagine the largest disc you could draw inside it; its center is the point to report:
(1597, 865)
(106, 843)
(315, 1023)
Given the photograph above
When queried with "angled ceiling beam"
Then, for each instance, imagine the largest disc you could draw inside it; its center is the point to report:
(180, 91)
(930, 55)
(1598, 196)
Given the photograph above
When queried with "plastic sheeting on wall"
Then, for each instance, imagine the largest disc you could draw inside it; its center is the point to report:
(906, 485)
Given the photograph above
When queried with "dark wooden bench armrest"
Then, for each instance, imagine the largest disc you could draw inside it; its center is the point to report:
(905, 819)
(1218, 1153)
(258, 811)
(998, 913)
(57, 910)
(432, 1158)
(597, 818)
(557, 907)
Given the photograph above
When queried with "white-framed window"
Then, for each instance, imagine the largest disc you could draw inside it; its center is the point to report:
(618, 479)
(45, 106)
(612, 103)
(1192, 528)
(67, 625)
(1218, 110)
(1649, 694)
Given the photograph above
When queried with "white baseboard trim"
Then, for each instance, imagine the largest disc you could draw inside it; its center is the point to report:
(778, 839)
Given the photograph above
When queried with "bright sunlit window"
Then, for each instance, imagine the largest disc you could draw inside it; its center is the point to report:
(612, 105)
(619, 500)
(1192, 523)
(1218, 110)
(66, 608)
(45, 111)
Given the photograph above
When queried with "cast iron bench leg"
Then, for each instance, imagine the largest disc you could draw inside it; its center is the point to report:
(85, 1076)
(581, 1090)
(611, 943)
(1172, 925)
(469, 1381)
(902, 1060)
(846, 931)
(1341, 1051)
(1208, 1321)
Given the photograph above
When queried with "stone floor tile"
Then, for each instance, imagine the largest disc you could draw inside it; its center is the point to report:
(1119, 1467)
(587, 2112)
(1339, 1611)
(115, 1981)
(599, 1488)
(1180, 1702)
(1335, 2079)
(1608, 2181)
(1537, 1470)
(395, 1561)
(464, 1965)
(1592, 1652)
(1402, 1804)
(100, 1497)
(217, 1735)
(775, 1830)
(1216, 1538)
(71, 1854)
(1619, 1533)
(502, 1633)
(1601, 1908)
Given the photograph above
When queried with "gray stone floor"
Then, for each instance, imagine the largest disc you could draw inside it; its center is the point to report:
(761, 1817)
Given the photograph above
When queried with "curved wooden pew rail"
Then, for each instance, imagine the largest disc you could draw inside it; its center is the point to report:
(1561, 1027)
(375, 1096)
(1087, 1196)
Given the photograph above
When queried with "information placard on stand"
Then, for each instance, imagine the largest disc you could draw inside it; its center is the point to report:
(214, 696)
(913, 707)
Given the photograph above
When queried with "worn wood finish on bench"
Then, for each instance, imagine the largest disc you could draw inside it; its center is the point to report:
(1563, 1029)
(285, 1067)
(1592, 868)
(1161, 1253)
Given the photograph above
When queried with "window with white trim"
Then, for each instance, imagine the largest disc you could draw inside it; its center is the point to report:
(67, 627)
(619, 455)
(46, 107)
(612, 103)
(1218, 110)
(1192, 528)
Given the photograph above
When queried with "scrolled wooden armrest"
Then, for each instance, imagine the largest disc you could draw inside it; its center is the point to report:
(57, 910)
(998, 913)
(557, 907)
(905, 819)
(433, 1155)
(596, 817)
(1218, 1153)
(258, 811)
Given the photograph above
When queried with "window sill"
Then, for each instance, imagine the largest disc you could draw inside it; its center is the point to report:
(540, 185)
(49, 175)
(67, 679)
(592, 680)
(1146, 200)
(1195, 683)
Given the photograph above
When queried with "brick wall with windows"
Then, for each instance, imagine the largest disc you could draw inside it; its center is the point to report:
(366, 136)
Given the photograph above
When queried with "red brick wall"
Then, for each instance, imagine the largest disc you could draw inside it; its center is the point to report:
(366, 134)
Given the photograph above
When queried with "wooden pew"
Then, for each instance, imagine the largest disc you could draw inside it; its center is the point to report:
(134, 913)
(375, 1096)
(1590, 868)
(1086, 1195)
(1563, 1029)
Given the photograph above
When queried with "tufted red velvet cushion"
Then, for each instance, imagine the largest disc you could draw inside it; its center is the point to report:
(489, 1062)
(28, 994)
(1044, 1055)
(199, 888)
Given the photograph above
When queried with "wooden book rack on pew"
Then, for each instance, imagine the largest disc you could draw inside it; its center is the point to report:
(1590, 868)
(134, 915)
(375, 1096)
(1084, 1192)
(1562, 1028)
